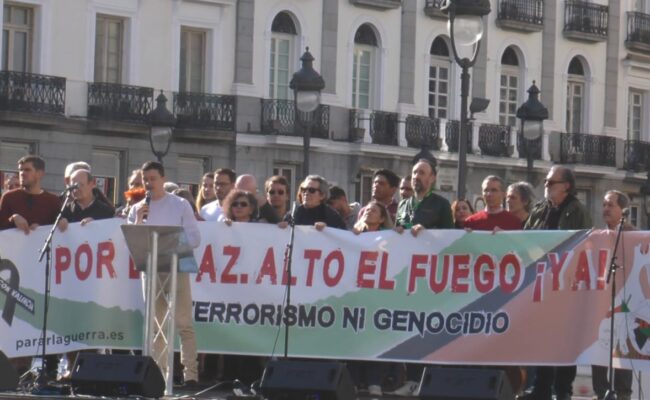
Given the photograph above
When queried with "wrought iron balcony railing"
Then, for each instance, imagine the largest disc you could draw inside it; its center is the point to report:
(583, 148)
(638, 31)
(637, 155)
(451, 136)
(585, 21)
(113, 101)
(22, 91)
(423, 132)
(494, 140)
(524, 15)
(204, 111)
(383, 127)
(524, 146)
(432, 9)
(279, 118)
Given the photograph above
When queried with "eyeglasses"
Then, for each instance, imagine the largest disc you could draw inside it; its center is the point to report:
(278, 192)
(550, 182)
(406, 189)
(240, 204)
(311, 190)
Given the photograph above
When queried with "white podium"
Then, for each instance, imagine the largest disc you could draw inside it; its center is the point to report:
(155, 249)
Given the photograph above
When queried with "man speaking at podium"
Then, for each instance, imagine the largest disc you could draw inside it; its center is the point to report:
(162, 208)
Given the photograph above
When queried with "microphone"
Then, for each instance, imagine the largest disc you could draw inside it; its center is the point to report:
(147, 201)
(72, 187)
(293, 214)
(626, 212)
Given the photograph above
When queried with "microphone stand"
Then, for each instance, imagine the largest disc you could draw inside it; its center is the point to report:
(611, 274)
(46, 251)
(288, 256)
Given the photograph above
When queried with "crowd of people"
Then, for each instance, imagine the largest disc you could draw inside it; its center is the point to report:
(408, 203)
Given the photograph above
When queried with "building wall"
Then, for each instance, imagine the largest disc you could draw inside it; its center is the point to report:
(237, 53)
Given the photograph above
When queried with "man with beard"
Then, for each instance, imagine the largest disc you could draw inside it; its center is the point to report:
(559, 210)
(614, 203)
(29, 206)
(425, 209)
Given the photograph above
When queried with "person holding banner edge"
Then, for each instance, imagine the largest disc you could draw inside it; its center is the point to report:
(559, 210)
(615, 203)
(168, 209)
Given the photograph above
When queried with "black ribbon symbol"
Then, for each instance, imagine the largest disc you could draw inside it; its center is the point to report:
(8, 288)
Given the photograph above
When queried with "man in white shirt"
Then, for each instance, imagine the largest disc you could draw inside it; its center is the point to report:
(224, 181)
(168, 209)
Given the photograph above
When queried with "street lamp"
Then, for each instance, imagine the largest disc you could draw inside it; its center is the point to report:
(306, 85)
(162, 128)
(465, 29)
(532, 115)
(645, 192)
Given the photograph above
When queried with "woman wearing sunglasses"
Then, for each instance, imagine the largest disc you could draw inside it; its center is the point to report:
(313, 209)
(240, 206)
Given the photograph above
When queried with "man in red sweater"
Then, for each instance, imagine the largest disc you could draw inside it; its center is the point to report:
(494, 215)
(29, 206)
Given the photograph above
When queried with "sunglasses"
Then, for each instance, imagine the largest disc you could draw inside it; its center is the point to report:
(240, 204)
(550, 182)
(311, 190)
(278, 192)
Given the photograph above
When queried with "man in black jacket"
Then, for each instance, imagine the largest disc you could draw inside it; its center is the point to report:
(85, 205)
(559, 210)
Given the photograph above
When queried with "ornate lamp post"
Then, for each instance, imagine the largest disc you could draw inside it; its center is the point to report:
(162, 128)
(306, 85)
(532, 115)
(465, 28)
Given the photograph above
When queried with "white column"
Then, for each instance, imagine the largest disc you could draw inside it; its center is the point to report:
(401, 130)
(513, 143)
(545, 154)
(475, 149)
(442, 134)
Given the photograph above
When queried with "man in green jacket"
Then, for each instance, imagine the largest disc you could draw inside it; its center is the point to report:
(559, 210)
(425, 209)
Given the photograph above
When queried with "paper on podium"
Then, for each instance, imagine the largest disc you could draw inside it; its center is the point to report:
(171, 239)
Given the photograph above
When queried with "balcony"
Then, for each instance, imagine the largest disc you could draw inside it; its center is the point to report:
(521, 15)
(583, 148)
(378, 4)
(637, 155)
(34, 93)
(451, 136)
(638, 32)
(423, 132)
(383, 126)
(204, 111)
(585, 21)
(278, 118)
(113, 101)
(432, 9)
(524, 146)
(494, 140)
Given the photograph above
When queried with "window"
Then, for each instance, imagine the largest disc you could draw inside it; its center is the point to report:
(107, 169)
(189, 173)
(634, 116)
(109, 45)
(192, 68)
(575, 97)
(439, 74)
(283, 33)
(289, 172)
(17, 31)
(364, 187)
(365, 44)
(509, 88)
(10, 153)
